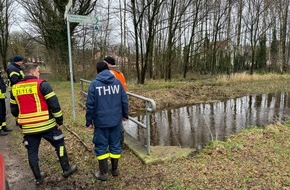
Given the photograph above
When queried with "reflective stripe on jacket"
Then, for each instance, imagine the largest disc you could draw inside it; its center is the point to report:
(33, 109)
(14, 73)
(2, 94)
(2, 88)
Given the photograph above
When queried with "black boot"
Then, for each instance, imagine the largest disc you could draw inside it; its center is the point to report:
(3, 133)
(6, 129)
(39, 176)
(115, 171)
(67, 169)
(40, 181)
(102, 174)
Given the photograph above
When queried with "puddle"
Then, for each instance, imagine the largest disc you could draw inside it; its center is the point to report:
(194, 126)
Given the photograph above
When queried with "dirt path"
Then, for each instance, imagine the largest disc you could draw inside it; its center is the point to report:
(18, 173)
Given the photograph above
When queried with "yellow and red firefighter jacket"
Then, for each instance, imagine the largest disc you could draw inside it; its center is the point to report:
(35, 105)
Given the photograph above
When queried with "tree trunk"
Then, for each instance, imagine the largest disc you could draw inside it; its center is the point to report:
(135, 22)
(5, 19)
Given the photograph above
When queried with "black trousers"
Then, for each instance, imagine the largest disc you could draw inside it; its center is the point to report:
(53, 136)
(2, 111)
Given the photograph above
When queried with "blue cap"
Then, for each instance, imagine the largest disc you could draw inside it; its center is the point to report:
(17, 58)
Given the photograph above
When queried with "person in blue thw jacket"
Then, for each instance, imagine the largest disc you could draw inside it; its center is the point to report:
(106, 107)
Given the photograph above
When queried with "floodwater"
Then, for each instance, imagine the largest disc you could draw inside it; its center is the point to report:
(194, 126)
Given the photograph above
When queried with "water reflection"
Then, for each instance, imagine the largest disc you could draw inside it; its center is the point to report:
(194, 126)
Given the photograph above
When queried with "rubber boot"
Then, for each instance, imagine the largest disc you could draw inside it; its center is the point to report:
(3, 133)
(115, 171)
(66, 167)
(102, 174)
(39, 176)
(40, 181)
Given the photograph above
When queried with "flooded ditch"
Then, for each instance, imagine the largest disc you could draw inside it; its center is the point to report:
(194, 126)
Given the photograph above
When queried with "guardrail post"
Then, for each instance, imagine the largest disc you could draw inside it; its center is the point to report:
(148, 127)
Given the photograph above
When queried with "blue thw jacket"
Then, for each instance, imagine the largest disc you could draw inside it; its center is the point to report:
(107, 101)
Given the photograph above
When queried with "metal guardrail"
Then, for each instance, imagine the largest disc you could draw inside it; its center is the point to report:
(150, 108)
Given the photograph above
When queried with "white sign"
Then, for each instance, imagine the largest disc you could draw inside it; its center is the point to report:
(82, 19)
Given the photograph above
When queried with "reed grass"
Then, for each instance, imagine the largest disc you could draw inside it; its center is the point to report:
(244, 77)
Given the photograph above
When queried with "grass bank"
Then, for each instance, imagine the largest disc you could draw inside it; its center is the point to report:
(203, 89)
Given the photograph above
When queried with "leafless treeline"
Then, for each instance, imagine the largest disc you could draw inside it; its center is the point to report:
(162, 38)
(165, 37)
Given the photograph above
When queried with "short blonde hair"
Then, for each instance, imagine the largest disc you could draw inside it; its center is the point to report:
(28, 67)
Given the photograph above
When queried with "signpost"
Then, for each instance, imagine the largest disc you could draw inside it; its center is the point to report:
(76, 19)
(82, 19)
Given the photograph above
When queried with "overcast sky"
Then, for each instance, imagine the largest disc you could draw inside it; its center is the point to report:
(19, 22)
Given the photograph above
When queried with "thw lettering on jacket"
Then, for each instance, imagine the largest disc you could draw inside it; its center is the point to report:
(108, 90)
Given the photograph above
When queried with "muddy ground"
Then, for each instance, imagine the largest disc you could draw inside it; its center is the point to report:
(18, 174)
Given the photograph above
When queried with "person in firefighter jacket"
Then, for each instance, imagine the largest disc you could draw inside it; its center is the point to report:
(14, 71)
(106, 107)
(3, 128)
(39, 115)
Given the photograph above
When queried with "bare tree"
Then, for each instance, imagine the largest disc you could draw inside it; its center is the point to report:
(219, 15)
(274, 61)
(152, 15)
(194, 14)
(253, 24)
(123, 22)
(283, 10)
(49, 26)
(176, 10)
(238, 49)
(229, 35)
(5, 23)
(145, 31)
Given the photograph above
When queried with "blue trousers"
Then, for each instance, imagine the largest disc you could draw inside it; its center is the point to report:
(107, 142)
